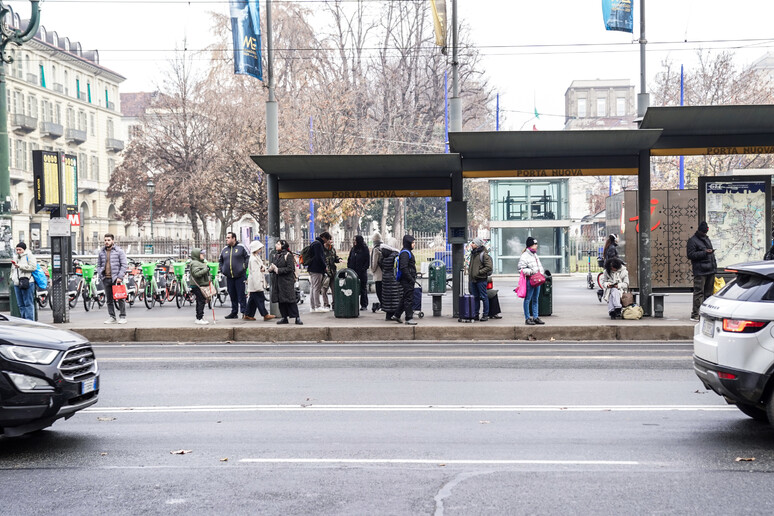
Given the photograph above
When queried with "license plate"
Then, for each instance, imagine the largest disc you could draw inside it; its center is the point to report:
(89, 385)
(708, 327)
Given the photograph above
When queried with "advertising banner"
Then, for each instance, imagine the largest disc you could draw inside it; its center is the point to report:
(439, 21)
(246, 31)
(618, 15)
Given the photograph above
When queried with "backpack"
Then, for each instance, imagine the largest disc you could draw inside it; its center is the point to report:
(306, 255)
(397, 263)
(40, 278)
(632, 312)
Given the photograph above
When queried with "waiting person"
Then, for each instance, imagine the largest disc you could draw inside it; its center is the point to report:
(200, 280)
(283, 282)
(317, 269)
(256, 284)
(111, 267)
(702, 256)
(23, 284)
(530, 264)
(407, 266)
(391, 290)
(376, 265)
(479, 270)
(331, 259)
(358, 261)
(615, 281)
(233, 265)
(611, 248)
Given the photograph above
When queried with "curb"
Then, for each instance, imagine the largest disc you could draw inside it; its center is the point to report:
(466, 332)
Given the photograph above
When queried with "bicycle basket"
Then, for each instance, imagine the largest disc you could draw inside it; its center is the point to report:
(148, 269)
(179, 268)
(213, 269)
(88, 272)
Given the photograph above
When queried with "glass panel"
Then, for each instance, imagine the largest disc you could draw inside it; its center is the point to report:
(581, 108)
(601, 107)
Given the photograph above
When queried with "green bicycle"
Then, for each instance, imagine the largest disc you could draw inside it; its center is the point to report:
(93, 290)
(155, 284)
(219, 281)
(183, 293)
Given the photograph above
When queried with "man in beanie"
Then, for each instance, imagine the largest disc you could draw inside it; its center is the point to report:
(23, 285)
(702, 257)
(376, 265)
(478, 272)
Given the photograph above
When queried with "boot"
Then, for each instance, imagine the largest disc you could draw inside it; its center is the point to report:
(298, 320)
(269, 317)
(284, 320)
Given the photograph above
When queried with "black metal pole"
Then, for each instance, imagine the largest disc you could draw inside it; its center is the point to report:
(643, 200)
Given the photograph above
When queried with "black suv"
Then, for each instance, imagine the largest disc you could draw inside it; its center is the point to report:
(45, 374)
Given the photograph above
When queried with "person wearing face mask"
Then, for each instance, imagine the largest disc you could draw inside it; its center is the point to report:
(702, 256)
(530, 264)
(283, 282)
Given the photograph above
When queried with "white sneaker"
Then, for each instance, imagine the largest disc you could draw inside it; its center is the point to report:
(201, 321)
(110, 320)
(325, 309)
(121, 320)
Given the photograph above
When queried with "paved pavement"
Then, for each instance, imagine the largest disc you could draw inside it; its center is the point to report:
(576, 315)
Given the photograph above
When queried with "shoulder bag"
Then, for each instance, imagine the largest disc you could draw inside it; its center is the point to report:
(537, 279)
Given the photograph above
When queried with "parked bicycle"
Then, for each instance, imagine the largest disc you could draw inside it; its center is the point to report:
(74, 284)
(155, 276)
(183, 293)
(93, 289)
(219, 280)
(43, 295)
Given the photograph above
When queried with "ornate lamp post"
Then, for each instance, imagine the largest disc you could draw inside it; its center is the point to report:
(624, 182)
(17, 37)
(151, 190)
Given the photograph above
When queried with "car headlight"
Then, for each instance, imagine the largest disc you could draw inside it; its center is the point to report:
(28, 354)
(27, 383)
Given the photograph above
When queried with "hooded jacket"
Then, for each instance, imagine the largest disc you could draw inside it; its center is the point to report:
(703, 263)
(359, 258)
(318, 263)
(376, 257)
(480, 265)
(26, 264)
(200, 272)
(391, 290)
(407, 263)
(284, 280)
(233, 261)
(256, 279)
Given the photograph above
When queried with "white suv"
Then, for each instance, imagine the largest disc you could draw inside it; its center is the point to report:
(733, 344)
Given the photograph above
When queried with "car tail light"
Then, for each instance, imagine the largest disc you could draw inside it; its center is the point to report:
(742, 326)
(726, 376)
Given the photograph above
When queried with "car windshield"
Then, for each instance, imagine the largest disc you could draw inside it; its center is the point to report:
(748, 287)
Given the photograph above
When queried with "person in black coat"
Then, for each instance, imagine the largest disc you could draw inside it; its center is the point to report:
(408, 277)
(702, 256)
(359, 260)
(283, 282)
(391, 291)
(611, 248)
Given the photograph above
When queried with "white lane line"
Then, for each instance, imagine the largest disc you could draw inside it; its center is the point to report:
(328, 358)
(497, 462)
(413, 408)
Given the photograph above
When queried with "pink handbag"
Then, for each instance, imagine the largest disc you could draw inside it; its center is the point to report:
(521, 287)
(537, 279)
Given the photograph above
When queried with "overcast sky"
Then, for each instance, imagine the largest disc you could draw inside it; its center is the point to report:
(531, 48)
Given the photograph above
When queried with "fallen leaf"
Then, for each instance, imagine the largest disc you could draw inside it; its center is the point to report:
(484, 422)
(224, 459)
(700, 392)
(552, 339)
(745, 459)
(106, 419)
(180, 452)
(442, 465)
(103, 453)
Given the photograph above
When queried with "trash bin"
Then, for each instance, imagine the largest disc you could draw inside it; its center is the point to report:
(546, 297)
(436, 274)
(346, 294)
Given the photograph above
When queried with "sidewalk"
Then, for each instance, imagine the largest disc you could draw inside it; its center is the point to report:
(577, 316)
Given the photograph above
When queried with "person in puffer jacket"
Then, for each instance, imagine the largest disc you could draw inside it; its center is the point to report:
(200, 278)
(407, 266)
(529, 263)
(256, 284)
(391, 291)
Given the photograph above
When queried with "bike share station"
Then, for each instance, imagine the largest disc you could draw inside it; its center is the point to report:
(664, 131)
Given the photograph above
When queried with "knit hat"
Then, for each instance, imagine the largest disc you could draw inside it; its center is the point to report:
(479, 242)
(377, 237)
(22, 245)
(255, 245)
(531, 241)
(703, 227)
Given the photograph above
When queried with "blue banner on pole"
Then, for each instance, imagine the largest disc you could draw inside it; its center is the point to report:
(618, 15)
(246, 31)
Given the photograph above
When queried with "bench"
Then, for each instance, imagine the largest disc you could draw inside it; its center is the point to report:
(657, 300)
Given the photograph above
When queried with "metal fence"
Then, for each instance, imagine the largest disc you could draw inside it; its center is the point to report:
(584, 253)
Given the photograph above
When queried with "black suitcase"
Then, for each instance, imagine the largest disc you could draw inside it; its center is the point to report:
(467, 303)
(417, 304)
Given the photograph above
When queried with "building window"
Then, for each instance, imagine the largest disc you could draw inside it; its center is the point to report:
(620, 106)
(93, 124)
(83, 166)
(110, 130)
(601, 107)
(111, 167)
(18, 102)
(581, 108)
(32, 106)
(95, 168)
(66, 83)
(82, 120)
(58, 113)
(70, 118)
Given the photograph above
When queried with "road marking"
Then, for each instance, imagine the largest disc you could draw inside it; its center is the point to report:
(496, 462)
(328, 358)
(413, 408)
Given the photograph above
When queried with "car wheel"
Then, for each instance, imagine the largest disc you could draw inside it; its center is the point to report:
(754, 411)
(770, 407)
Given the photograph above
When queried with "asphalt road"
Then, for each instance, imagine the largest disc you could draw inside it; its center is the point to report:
(427, 428)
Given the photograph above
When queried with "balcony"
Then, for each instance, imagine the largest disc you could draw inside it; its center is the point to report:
(32, 79)
(18, 175)
(23, 124)
(57, 87)
(51, 130)
(82, 96)
(113, 145)
(111, 106)
(75, 136)
(87, 185)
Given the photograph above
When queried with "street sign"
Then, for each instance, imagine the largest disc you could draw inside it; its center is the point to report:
(59, 227)
(74, 218)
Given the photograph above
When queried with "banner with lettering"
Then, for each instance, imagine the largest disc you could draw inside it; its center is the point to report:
(246, 31)
(439, 22)
(618, 15)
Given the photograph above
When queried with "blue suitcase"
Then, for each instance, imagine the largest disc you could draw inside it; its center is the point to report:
(467, 304)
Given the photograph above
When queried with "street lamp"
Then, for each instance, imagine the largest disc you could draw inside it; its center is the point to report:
(624, 183)
(151, 190)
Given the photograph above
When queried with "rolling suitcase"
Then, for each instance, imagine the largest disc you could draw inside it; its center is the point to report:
(417, 304)
(467, 303)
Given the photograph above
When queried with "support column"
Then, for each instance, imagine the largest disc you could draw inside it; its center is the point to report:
(458, 250)
(643, 200)
(273, 208)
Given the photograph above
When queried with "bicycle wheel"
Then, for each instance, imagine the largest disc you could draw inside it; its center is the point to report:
(222, 296)
(180, 299)
(140, 288)
(599, 280)
(150, 300)
(172, 289)
(88, 302)
(101, 300)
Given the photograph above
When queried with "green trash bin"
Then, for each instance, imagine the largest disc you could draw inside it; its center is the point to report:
(346, 294)
(546, 296)
(436, 277)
